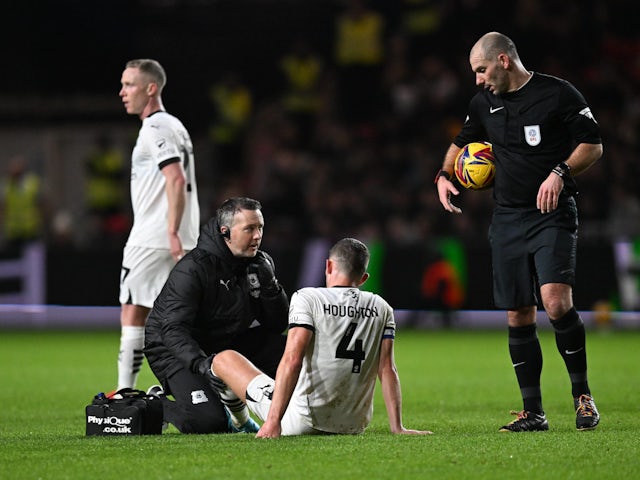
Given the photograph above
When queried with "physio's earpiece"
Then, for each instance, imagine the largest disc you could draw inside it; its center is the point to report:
(226, 233)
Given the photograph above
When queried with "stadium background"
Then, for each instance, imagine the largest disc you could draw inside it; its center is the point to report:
(365, 166)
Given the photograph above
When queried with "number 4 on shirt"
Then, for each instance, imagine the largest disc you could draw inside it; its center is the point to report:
(357, 354)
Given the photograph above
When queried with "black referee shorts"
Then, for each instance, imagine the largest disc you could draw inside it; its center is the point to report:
(530, 249)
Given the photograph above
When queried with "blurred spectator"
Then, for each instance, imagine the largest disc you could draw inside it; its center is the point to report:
(22, 205)
(359, 56)
(422, 21)
(233, 106)
(107, 191)
(624, 218)
(302, 71)
(400, 93)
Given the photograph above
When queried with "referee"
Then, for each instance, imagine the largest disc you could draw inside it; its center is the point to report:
(543, 134)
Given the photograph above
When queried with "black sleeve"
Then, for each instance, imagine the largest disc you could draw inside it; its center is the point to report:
(274, 307)
(179, 303)
(578, 116)
(473, 129)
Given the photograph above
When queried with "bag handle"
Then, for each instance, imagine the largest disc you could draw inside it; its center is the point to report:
(130, 393)
(122, 394)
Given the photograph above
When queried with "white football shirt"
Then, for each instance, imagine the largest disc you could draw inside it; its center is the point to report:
(338, 376)
(162, 137)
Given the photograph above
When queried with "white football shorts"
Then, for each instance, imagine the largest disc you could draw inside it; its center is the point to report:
(294, 422)
(143, 274)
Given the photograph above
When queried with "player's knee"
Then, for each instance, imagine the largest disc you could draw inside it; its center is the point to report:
(222, 360)
(556, 307)
(556, 299)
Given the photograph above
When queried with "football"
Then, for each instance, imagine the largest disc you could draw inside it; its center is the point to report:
(474, 166)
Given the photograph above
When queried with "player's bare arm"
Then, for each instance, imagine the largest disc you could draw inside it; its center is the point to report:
(391, 392)
(285, 382)
(582, 157)
(445, 186)
(175, 182)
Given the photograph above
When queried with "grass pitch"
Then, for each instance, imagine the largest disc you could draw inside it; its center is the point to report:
(459, 384)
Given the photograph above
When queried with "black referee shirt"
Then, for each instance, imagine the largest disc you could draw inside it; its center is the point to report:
(531, 130)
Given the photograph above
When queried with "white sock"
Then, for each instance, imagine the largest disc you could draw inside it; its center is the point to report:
(130, 357)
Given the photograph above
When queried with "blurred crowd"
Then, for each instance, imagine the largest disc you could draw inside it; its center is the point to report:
(348, 140)
(358, 157)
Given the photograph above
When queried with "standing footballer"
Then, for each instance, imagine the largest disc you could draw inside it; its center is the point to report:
(543, 134)
(166, 214)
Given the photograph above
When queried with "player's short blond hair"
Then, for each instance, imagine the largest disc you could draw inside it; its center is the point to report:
(152, 68)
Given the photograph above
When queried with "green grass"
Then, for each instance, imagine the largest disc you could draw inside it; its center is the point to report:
(459, 384)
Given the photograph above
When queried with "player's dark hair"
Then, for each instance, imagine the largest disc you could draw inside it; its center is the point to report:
(231, 206)
(152, 68)
(352, 257)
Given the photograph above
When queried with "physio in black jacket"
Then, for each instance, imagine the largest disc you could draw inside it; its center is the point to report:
(221, 295)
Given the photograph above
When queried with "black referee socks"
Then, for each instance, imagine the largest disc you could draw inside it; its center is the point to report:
(571, 343)
(526, 356)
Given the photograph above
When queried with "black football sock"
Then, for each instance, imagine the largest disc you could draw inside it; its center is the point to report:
(571, 343)
(526, 357)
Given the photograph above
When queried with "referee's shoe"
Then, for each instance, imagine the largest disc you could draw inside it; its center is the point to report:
(587, 416)
(526, 422)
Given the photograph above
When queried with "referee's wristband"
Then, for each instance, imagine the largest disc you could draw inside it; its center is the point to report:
(562, 170)
(442, 173)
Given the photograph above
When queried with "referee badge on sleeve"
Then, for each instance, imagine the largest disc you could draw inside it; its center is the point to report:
(532, 134)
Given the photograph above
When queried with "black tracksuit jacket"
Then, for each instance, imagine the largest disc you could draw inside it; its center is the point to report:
(206, 307)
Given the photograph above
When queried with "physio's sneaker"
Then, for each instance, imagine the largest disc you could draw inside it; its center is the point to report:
(156, 391)
(526, 422)
(587, 416)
